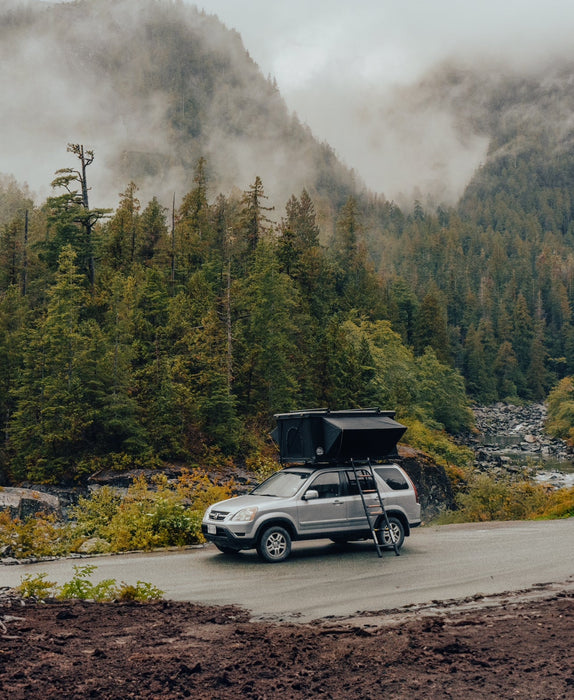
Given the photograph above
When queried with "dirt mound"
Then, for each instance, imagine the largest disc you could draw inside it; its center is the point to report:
(179, 650)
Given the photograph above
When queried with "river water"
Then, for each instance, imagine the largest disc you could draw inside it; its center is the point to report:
(513, 437)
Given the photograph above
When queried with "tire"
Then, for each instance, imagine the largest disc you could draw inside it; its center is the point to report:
(274, 544)
(397, 529)
(226, 550)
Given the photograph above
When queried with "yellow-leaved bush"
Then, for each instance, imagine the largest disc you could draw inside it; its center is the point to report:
(150, 515)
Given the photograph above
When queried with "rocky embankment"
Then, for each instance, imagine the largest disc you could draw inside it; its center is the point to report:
(510, 442)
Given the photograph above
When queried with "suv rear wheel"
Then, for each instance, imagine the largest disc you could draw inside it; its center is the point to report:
(274, 544)
(397, 531)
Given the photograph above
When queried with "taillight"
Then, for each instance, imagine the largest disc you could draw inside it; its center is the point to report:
(412, 483)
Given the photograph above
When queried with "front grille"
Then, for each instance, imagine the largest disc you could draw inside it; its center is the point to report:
(218, 515)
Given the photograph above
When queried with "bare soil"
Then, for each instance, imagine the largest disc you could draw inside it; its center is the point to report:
(515, 647)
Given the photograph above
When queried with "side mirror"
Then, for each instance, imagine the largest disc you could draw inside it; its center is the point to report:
(311, 495)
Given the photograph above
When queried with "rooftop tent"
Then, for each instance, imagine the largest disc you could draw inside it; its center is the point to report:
(327, 436)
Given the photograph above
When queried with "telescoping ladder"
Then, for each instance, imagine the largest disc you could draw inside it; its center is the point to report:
(375, 511)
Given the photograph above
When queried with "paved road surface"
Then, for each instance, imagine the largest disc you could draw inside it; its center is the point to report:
(321, 579)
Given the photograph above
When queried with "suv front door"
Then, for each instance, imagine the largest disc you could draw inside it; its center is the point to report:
(328, 512)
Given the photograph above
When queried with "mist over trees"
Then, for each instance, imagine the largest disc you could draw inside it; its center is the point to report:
(152, 86)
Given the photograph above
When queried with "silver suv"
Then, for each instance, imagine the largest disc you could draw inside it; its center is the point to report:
(314, 502)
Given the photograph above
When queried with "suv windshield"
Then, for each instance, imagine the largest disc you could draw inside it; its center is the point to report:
(281, 484)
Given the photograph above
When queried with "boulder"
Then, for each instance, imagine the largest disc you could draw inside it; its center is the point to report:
(94, 545)
(431, 481)
(25, 503)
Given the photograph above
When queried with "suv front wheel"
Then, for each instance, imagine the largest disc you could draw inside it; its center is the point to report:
(274, 545)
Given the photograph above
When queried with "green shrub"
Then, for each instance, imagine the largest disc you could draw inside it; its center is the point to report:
(39, 536)
(149, 516)
(81, 588)
(142, 591)
(92, 514)
(486, 498)
(436, 443)
(560, 422)
(36, 587)
(560, 504)
(262, 466)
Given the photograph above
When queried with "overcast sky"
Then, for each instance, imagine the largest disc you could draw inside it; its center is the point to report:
(338, 64)
(335, 61)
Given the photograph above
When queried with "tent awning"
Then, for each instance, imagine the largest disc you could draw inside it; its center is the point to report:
(361, 437)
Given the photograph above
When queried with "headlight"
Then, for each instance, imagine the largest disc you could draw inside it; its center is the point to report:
(245, 515)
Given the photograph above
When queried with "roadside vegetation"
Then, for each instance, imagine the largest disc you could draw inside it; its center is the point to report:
(80, 587)
(561, 410)
(482, 497)
(151, 515)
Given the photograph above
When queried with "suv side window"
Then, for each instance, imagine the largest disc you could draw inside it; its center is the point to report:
(327, 485)
(365, 480)
(393, 478)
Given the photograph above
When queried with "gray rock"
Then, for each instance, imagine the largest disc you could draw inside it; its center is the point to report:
(94, 545)
(25, 503)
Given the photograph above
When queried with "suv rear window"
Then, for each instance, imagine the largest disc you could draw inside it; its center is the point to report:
(365, 479)
(393, 477)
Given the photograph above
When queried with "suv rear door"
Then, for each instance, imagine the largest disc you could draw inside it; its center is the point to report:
(356, 518)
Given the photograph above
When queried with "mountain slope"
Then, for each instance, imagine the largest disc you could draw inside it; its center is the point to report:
(151, 86)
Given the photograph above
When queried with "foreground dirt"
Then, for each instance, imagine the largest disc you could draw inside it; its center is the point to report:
(516, 648)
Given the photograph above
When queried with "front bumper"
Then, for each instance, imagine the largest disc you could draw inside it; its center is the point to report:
(224, 537)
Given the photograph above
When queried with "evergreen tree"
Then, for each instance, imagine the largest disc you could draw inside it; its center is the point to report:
(13, 316)
(507, 372)
(193, 229)
(537, 375)
(55, 411)
(522, 332)
(11, 255)
(299, 234)
(253, 223)
(70, 217)
(266, 332)
(153, 236)
(121, 232)
(430, 327)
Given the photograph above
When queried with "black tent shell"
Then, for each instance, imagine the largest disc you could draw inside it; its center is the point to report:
(322, 436)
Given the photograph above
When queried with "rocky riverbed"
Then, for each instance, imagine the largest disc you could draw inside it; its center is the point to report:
(510, 442)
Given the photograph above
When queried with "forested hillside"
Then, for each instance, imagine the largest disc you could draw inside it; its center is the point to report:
(493, 275)
(173, 328)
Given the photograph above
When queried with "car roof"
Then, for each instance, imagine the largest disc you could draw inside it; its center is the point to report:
(312, 468)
